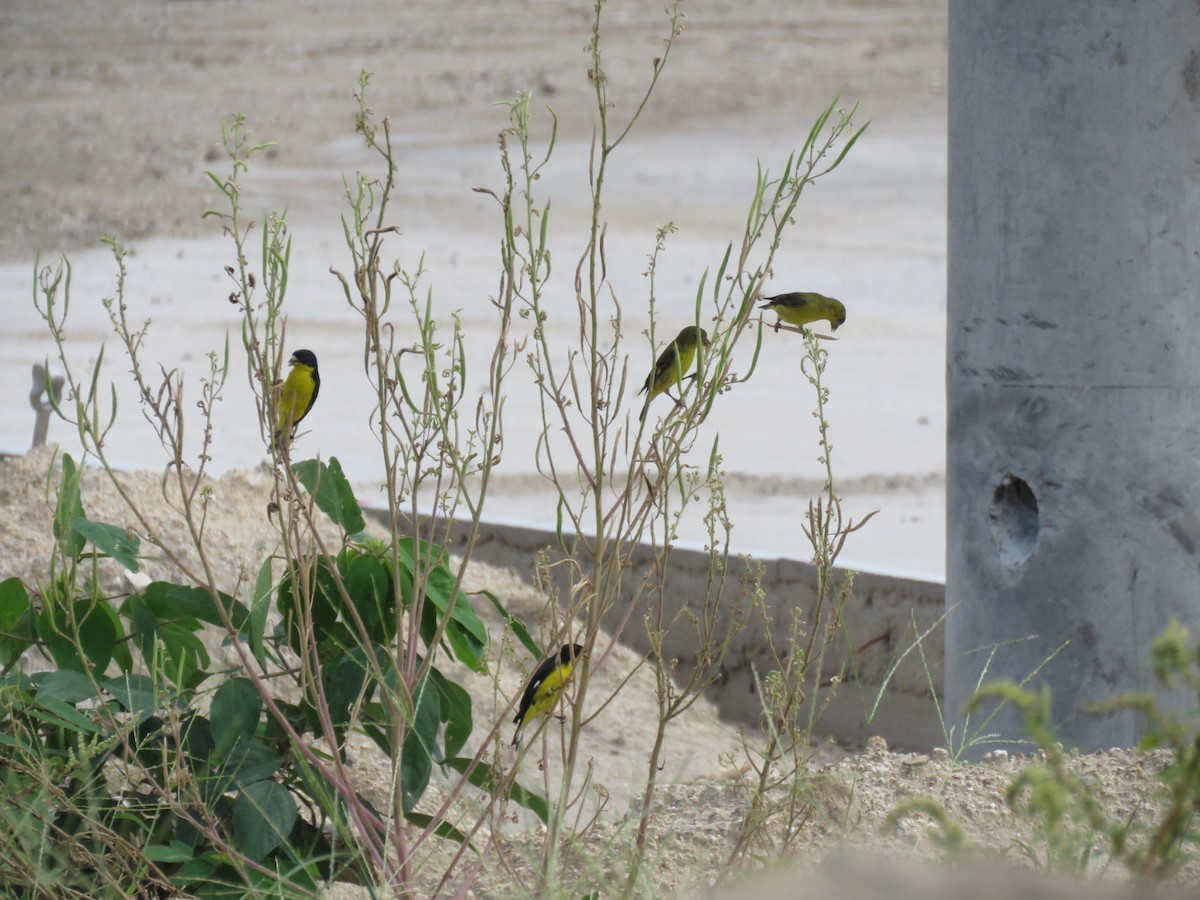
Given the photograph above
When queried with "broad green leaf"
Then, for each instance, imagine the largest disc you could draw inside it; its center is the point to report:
(331, 492)
(321, 607)
(223, 882)
(178, 602)
(467, 636)
(263, 815)
(485, 779)
(95, 631)
(192, 870)
(8, 741)
(16, 621)
(135, 693)
(144, 624)
(346, 683)
(420, 745)
(235, 712)
(250, 761)
(369, 585)
(198, 741)
(175, 852)
(62, 715)
(116, 542)
(455, 704)
(186, 655)
(66, 685)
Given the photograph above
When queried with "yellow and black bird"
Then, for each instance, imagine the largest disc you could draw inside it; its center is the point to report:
(298, 394)
(803, 307)
(544, 687)
(673, 364)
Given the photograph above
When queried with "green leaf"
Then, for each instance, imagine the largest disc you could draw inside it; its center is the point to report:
(320, 606)
(16, 621)
(198, 741)
(144, 624)
(66, 685)
(175, 852)
(192, 870)
(318, 789)
(62, 715)
(347, 681)
(455, 703)
(484, 778)
(121, 654)
(250, 761)
(67, 510)
(223, 883)
(186, 655)
(109, 539)
(369, 585)
(443, 829)
(466, 635)
(420, 745)
(518, 627)
(178, 602)
(256, 622)
(331, 491)
(846, 149)
(95, 631)
(263, 815)
(234, 713)
(135, 693)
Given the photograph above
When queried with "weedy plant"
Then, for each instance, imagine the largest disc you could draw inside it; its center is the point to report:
(1073, 826)
(136, 764)
(791, 689)
(617, 483)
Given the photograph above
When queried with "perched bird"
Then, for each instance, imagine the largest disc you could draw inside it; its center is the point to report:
(802, 307)
(298, 394)
(672, 364)
(544, 687)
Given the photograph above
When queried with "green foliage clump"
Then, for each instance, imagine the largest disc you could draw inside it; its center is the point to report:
(1073, 829)
(123, 764)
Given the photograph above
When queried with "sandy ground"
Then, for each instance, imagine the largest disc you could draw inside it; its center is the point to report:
(109, 119)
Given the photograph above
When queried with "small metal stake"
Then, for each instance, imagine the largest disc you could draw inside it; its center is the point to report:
(42, 381)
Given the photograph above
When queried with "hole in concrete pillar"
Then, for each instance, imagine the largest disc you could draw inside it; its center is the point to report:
(1014, 515)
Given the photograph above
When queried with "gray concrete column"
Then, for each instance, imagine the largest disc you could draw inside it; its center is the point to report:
(1073, 457)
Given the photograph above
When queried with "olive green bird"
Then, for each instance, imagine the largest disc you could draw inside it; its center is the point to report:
(297, 396)
(803, 307)
(545, 686)
(673, 364)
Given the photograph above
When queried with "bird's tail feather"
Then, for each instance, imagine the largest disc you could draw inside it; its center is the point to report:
(645, 407)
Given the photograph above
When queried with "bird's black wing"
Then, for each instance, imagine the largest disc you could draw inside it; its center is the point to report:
(540, 674)
(316, 377)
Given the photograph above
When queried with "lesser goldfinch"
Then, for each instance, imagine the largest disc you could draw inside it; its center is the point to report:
(802, 307)
(545, 686)
(298, 394)
(672, 364)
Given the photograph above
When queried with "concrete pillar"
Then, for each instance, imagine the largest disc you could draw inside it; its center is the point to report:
(1073, 458)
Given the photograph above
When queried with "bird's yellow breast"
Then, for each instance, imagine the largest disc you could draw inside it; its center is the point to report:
(296, 395)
